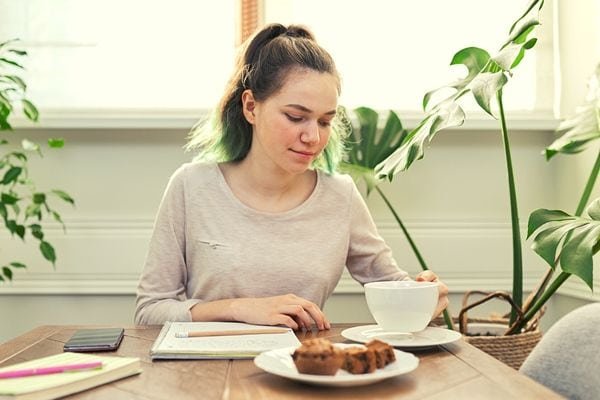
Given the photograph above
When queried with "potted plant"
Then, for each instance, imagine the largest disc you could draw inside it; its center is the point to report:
(22, 206)
(563, 240)
(485, 80)
(369, 144)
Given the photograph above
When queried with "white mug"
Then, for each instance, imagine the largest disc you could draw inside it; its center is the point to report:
(402, 306)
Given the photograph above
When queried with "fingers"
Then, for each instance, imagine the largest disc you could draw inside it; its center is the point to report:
(426, 276)
(306, 312)
(443, 302)
(298, 314)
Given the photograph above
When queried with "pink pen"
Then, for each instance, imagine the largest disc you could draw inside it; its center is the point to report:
(55, 369)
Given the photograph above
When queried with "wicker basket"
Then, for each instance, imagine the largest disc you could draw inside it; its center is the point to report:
(510, 349)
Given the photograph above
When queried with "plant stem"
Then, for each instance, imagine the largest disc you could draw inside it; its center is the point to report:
(560, 279)
(517, 291)
(415, 250)
(404, 230)
(585, 196)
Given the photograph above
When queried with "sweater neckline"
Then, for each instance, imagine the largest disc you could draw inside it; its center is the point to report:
(229, 193)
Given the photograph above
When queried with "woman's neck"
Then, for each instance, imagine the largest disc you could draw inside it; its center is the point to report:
(267, 188)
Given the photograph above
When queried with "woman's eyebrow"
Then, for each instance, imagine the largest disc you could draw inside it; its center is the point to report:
(308, 110)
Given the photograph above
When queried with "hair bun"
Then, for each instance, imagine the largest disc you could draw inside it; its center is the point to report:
(299, 31)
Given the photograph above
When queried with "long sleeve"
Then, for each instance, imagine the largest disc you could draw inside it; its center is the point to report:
(161, 293)
(369, 257)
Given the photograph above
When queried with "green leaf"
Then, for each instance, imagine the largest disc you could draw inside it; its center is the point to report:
(3, 212)
(11, 175)
(542, 216)
(483, 75)
(48, 252)
(20, 231)
(18, 81)
(30, 110)
(56, 143)
(18, 155)
(28, 145)
(57, 217)
(576, 239)
(18, 52)
(580, 130)
(546, 242)
(63, 195)
(576, 257)
(485, 86)
(36, 231)
(7, 273)
(525, 24)
(18, 265)
(39, 198)
(8, 198)
(11, 62)
(33, 210)
(6, 43)
(593, 210)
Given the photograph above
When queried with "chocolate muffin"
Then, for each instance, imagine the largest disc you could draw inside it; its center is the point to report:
(359, 360)
(384, 353)
(318, 357)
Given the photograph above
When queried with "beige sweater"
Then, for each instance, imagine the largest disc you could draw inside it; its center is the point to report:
(207, 245)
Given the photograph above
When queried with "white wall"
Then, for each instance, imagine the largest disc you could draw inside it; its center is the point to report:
(455, 203)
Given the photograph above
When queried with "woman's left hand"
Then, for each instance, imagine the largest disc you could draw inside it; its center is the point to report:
(429, 276)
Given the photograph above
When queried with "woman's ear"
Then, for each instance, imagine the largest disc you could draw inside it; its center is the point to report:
(248, 104)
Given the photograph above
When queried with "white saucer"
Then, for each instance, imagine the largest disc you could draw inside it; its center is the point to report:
(279, 362)
(428, 337)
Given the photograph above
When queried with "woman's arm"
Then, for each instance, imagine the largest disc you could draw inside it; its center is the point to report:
(289, 310)
(161, 294)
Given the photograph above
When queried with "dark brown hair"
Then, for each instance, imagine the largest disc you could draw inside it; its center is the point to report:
(262, 66)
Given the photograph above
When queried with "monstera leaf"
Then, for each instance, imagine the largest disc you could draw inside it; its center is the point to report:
(485, 78)
(582, 128)
(370, 144)
(569, 239)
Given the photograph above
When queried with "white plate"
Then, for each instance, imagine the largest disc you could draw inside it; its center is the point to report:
(279, 362)
(428, 337)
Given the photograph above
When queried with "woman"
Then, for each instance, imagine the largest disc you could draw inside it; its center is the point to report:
(261, 230)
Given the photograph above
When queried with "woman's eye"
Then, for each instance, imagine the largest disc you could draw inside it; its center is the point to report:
(292, 118)
(325, 124)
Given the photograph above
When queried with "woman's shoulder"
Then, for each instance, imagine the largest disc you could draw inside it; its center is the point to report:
(337, 183)
(195, 171)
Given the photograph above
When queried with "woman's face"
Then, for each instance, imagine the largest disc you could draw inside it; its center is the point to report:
(292, 126)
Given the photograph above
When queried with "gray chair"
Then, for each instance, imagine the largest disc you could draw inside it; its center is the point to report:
(567, 359)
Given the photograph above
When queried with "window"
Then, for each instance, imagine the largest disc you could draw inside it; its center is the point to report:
(133, 54)
(175, 56)
(390, 53)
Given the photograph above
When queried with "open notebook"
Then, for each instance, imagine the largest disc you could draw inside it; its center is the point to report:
(168, 346)
(52, 386)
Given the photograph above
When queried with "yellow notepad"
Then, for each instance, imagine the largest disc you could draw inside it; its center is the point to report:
(52, 386)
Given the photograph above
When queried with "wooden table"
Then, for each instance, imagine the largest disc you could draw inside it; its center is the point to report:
(454, 371)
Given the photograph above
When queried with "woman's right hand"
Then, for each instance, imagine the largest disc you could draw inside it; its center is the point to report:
(290, 310)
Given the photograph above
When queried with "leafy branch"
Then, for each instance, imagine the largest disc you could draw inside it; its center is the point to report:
(22, 206)
(486, 76)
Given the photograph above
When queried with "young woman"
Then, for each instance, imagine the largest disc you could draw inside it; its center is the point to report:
(261, 228)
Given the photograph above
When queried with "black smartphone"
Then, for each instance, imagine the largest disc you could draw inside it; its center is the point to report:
(101, 339)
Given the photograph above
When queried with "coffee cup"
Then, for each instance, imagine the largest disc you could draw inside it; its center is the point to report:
(402, 306)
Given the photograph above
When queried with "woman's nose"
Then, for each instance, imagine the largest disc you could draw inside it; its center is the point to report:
(310, 133)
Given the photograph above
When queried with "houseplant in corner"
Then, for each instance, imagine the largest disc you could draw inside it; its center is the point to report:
(22, 206)
(485, 80)
(563, 240)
